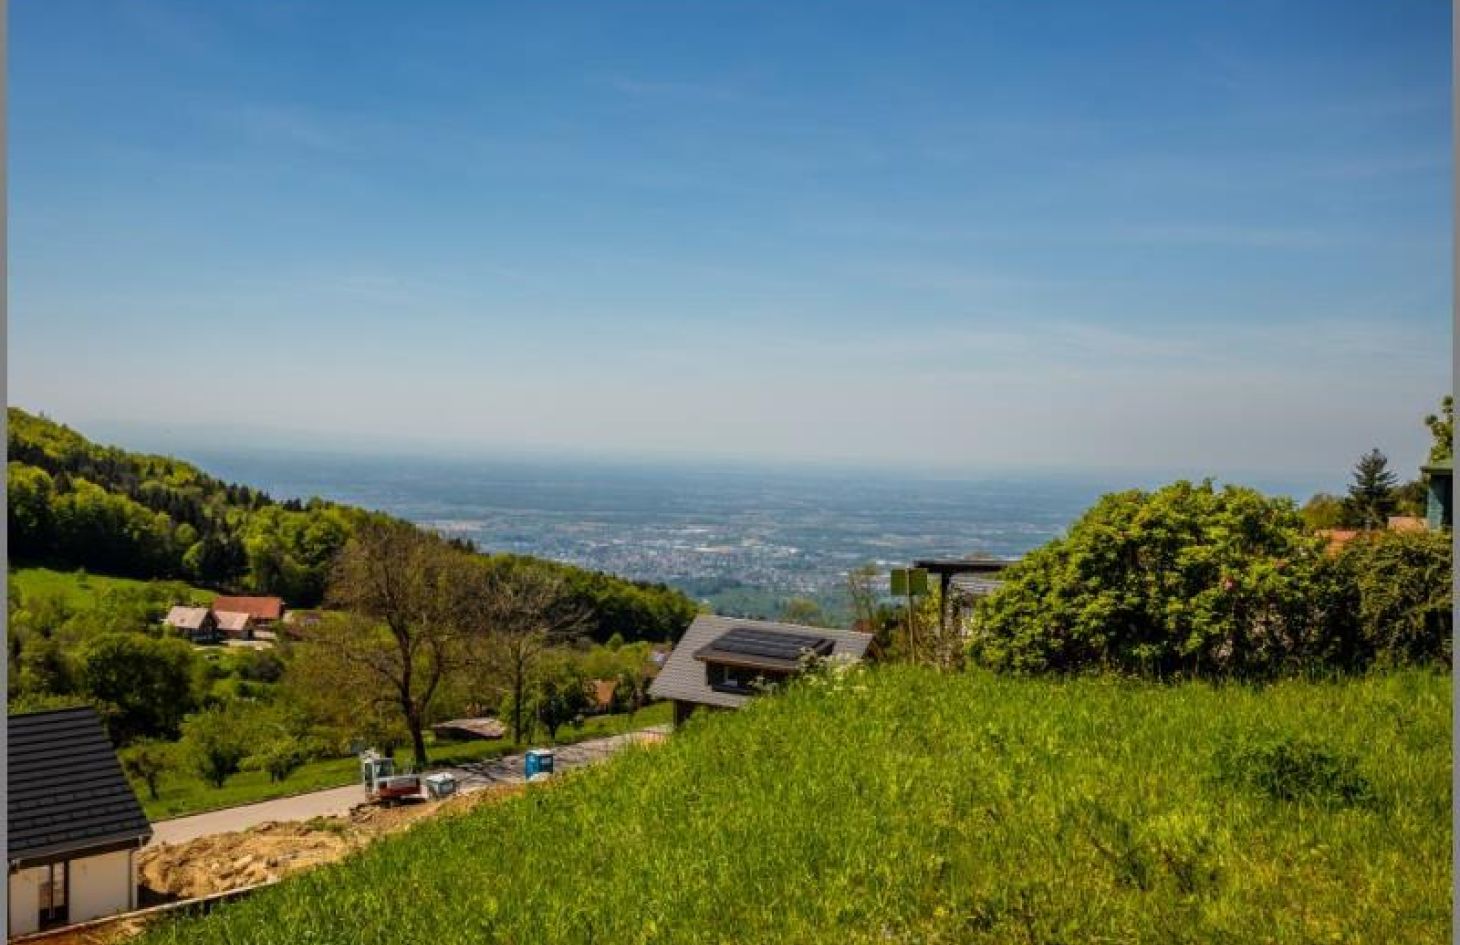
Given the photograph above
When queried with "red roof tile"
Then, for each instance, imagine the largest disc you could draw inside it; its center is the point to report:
(259, 608)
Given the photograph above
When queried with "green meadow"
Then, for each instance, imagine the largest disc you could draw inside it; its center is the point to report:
(899, 805)
(82, 591)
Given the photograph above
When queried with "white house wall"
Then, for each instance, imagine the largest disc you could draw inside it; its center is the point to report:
(25, 900)
(101, 885)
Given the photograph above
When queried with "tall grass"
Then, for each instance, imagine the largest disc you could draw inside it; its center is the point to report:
(903, 806)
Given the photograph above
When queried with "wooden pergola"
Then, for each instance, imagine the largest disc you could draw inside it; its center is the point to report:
(949, 568)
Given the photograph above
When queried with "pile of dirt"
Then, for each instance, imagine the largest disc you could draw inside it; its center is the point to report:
(225, 861)
(232, 860)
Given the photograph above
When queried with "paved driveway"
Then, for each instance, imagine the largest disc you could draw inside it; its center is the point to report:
(338, 801)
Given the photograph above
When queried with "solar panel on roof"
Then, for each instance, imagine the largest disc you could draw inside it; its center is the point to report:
(769, 643)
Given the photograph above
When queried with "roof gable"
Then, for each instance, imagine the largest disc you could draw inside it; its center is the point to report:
(66, 788)
(232, 620)
(187, 618)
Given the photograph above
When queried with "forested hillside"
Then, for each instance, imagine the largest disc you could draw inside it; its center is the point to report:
(76, 504)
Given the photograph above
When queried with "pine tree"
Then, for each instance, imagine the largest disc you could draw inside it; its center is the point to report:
(1371, 498)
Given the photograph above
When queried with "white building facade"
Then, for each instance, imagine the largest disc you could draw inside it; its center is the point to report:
(75, 825)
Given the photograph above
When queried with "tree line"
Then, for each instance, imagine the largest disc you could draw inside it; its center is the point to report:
(73, 503)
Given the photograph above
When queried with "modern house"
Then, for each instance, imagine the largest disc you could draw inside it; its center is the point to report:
(197, 624)
(265, 612)
(721, 662)
(74, 822)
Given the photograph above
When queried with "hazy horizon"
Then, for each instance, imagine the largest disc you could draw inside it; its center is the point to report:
(940, 237)
(220, 450)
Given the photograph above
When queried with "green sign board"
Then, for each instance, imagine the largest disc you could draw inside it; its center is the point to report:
(909, 581)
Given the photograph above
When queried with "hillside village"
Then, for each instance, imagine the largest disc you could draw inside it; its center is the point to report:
(290, 697)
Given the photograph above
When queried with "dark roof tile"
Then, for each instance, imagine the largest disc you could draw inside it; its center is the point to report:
(66, 787)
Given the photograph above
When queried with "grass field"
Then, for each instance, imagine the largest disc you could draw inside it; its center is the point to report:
(81, 590)
(184, 793)
(901, 806)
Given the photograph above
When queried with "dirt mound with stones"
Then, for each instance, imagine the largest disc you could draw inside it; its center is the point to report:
(268, 852)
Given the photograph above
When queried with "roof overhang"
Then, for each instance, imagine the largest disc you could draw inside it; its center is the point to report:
(711, 654)
(77, 849)
(950, 566)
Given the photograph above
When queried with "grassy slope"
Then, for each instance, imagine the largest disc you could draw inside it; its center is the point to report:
(911, 807)
(83, 593)
(184, 794)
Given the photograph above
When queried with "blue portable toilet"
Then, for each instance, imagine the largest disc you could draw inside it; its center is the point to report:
(539, 764)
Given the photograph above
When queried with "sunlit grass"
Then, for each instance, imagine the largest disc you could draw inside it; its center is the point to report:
(83, 591)
(910, 807)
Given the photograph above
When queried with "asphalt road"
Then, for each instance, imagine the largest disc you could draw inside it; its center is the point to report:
(338, 801)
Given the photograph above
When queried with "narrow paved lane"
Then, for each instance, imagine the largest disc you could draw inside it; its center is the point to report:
(338, 801)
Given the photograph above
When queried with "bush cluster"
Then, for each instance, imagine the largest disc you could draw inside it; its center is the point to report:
(1193, 580)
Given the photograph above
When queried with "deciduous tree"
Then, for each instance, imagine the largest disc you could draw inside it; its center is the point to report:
(1442, 428)
(147, 761)
(216, 741)
(804, 611)
(408, 592)
(518, 612)
(144, 685)
(559, 696)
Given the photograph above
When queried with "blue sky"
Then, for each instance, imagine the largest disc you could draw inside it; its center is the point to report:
(1211, 237)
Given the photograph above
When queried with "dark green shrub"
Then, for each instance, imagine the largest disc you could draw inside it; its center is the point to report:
(1189, 579)
(1400, 594)
(1293, 768)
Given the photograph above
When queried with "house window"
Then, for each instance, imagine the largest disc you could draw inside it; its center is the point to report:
(738, 679)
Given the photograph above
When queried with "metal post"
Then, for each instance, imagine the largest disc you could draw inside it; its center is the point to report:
(943, 580)
(912, 640)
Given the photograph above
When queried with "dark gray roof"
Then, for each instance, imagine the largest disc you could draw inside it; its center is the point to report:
(970, 565)
(67, 791)
(683, 676)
